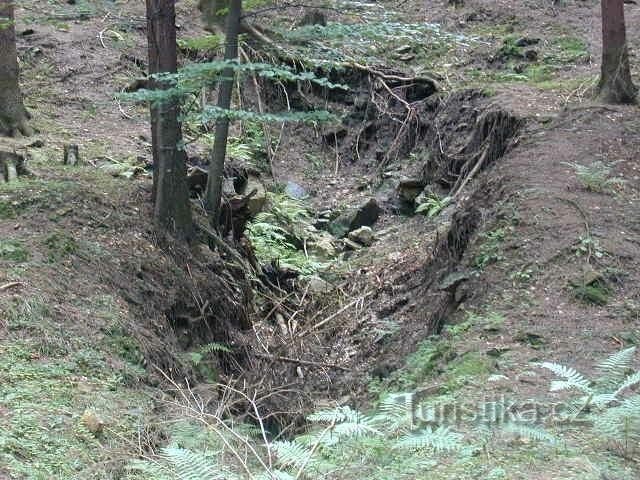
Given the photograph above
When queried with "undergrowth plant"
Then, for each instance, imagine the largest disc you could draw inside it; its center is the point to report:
(433, 205)
(284, 233)
(595, 177)
(610, 401)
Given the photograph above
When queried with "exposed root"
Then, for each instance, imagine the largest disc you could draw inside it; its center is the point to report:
(493, 133)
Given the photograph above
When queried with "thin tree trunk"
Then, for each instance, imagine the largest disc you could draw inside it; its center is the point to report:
(615, 79)
(216, 161)
(13, 115)
(172, 210)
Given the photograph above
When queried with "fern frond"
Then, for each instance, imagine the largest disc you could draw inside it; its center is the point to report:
(151, 470)
(190, 465)
(614, 368)
(631, 381)
(530, 432)
(214, 347)
(292, 454)
(621, 423)
(572, 378)
(440, 440)
(394, 414)
(335, 415)
(275, 475)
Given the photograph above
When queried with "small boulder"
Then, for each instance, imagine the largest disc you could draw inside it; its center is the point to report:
(409, 189)
(295, 191)
(259, 198)
(92, 422)
(350, 244)
(317, 285)
(354, 218)
(363, 235)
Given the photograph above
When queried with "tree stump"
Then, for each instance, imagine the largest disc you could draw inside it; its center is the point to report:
(71, 155)
(11, 165)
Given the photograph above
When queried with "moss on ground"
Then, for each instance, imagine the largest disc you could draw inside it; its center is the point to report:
(48, 378)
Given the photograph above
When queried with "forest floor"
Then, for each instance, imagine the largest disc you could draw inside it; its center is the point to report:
(85, 285)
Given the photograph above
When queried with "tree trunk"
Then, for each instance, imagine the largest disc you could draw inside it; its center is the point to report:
(216, 161)
(172, 210)
(13, 115)
(615, 79)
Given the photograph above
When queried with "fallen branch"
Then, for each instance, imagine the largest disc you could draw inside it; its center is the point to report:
(300, 362)
(7, 286)
(334, 315)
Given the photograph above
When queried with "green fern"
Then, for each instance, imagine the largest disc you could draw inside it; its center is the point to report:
(183, 464)
(621, 424)
(292, 454)
(616, 367)
(572, 378)
(530, 432)
(441, 439)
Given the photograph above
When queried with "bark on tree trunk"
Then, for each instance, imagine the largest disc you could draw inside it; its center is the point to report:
(213, 195)
(172, 210)
(615, 79)
(13, 115)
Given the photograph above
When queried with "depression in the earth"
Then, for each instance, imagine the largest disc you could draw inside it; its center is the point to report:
(319, 240)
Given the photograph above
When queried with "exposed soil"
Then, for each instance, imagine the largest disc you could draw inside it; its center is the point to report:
(88, 233)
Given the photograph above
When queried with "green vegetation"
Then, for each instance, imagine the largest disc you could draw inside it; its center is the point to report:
(537, 64)
(596, 177)
(60, 245)
(205, 44)
(490, 250)
(46, 383)
(13, 251)
(433, 205)
(284, 233)
(609, 400)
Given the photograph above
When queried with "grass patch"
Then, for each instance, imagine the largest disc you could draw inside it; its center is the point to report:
(44, 392)
(59, 246)
(13, 251)
(472, 367)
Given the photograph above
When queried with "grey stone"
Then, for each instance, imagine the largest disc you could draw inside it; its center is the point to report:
(362, 235)
(318, 285)
(259, 198)
(295, 191)
(354, 218)
(350, 244)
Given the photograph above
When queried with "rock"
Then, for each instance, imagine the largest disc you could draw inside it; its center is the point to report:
(452, 280)
(259, 198)
(409, 189)
(531, 55)
(323, 244)
(317, 285)
(407, 57)
(228, 188)
(403, 49)
(354, 218)
(527, 42)
(350, 244)
(93, 423)
(362, 235)
(590, 277)
(295, 191)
